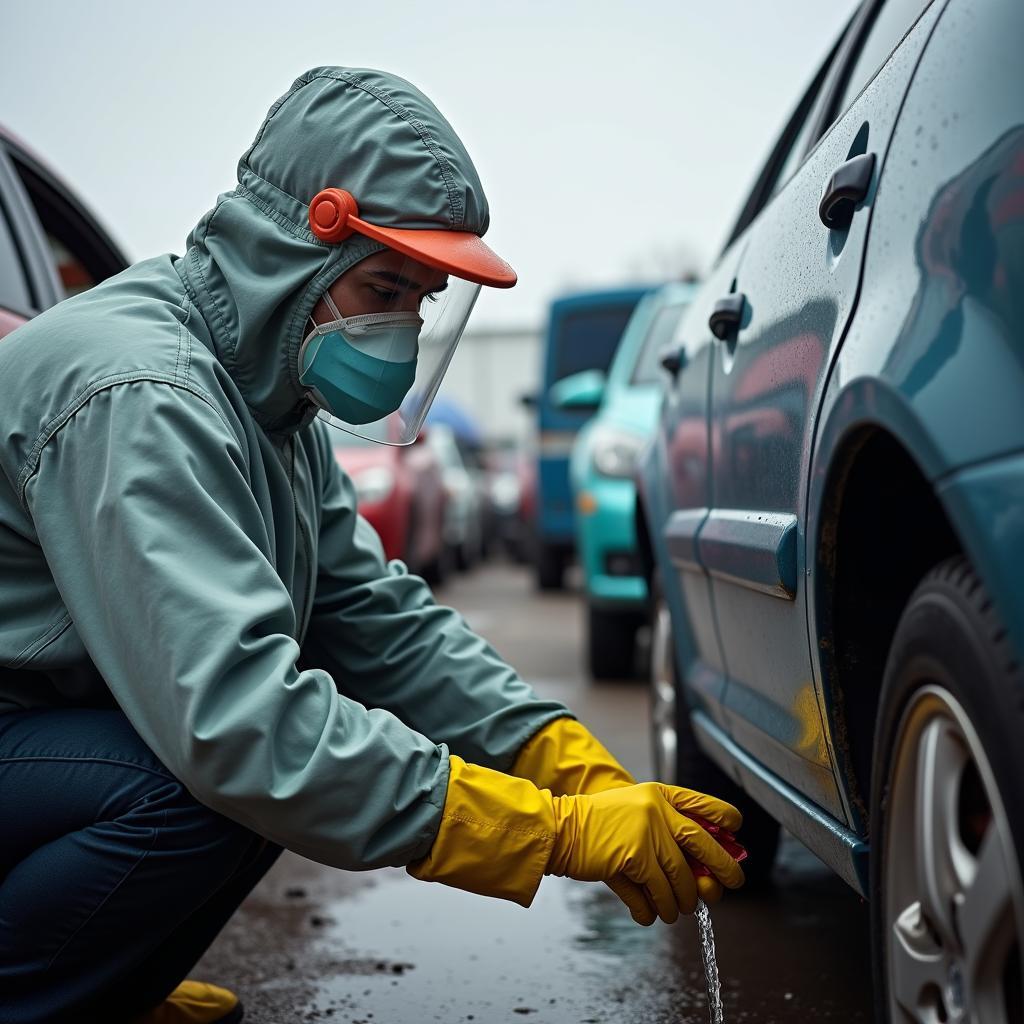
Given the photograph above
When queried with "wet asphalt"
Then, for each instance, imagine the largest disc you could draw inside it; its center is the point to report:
(316, 944)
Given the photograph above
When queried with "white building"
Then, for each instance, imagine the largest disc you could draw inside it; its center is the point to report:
(492, 369)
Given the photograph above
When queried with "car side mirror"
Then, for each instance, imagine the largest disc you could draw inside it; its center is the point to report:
(581, 391)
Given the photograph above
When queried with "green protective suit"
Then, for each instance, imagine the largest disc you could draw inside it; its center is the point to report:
(176, 537)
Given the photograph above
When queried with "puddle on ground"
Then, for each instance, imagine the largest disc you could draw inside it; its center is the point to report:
(572, 957)
(313, 944)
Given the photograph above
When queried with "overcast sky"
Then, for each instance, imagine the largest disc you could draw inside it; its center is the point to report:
(614, 140)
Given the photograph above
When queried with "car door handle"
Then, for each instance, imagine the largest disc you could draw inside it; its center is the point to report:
(673, 360)
(727, 314)
(847, 187)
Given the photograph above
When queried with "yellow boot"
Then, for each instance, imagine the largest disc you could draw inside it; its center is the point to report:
(195, 1002)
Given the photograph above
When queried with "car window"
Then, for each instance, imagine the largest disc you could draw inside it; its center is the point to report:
(795, 156)
(788, 151)
(81, 256)
(648, 366)
(587, 339)
(471, 457)
(14, 293)
(74, 275)
(892, 21)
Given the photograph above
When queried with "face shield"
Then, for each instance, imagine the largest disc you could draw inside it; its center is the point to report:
(373, 362)
(374, 366)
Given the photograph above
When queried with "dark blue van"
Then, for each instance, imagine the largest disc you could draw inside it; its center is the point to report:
(583, 333)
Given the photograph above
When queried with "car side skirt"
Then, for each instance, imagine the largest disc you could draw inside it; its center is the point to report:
(842, 850)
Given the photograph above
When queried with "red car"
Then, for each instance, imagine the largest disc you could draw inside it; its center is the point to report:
(51, 246)
(401, 492)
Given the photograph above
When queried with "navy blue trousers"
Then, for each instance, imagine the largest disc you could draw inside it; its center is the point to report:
(113, 879)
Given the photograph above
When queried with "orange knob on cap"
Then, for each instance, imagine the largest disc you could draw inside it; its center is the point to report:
(329, 211)
(334, 215)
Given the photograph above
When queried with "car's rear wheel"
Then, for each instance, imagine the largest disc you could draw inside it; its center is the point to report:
(663, 699)
(471, 550)
(550, 565)
(441, 566)
(611, 642)
(947, 811)
(679, 761)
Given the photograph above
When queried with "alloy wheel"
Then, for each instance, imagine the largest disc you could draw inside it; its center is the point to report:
(663, 695)
(953, 898)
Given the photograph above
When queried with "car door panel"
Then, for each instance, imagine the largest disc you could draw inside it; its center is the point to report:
(684, 433)
(800, 281)
(754, 549)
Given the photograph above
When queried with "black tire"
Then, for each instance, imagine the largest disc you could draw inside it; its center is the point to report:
(550, 565)
(688, 765)
(470, 551)
(950, 723)
(437, 571)
(409, 544)
(611, 643)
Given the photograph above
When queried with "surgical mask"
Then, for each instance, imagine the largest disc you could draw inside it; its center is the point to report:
(360, 368)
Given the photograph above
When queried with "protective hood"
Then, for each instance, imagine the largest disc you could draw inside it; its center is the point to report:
(254, 268)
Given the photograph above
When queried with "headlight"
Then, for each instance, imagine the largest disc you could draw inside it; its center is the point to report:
(374, 484)
(506, 492)
(456, 482)
(615, 451)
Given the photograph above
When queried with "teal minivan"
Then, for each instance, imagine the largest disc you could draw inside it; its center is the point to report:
(601, 472)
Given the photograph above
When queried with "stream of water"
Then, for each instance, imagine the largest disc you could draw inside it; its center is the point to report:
(707, 948)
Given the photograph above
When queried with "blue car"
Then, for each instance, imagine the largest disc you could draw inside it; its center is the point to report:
(601, 471)
(832, 511)
(582, 334)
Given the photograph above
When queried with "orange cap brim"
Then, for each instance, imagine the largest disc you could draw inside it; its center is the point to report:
(456, 252)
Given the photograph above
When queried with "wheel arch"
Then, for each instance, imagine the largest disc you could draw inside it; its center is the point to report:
(644, 547)
(876, 526)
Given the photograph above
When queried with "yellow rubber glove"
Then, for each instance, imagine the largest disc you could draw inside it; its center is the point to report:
(639, 834)
(499, 835)
(565, 757)
(495, 837)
